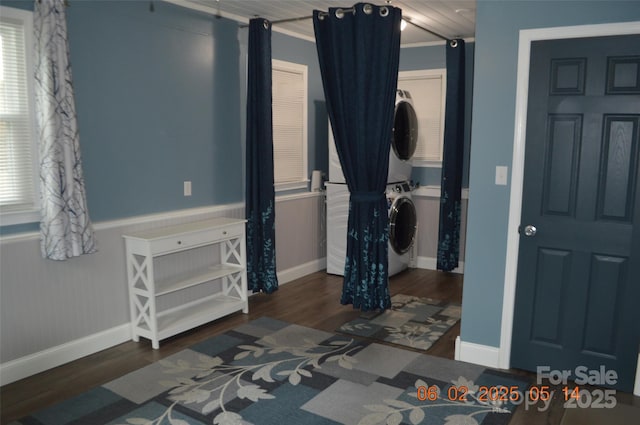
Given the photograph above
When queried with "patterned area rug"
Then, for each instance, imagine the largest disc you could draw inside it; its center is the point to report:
(271, 372)
(413, 322)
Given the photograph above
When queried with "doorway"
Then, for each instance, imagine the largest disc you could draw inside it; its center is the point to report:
(513, 242)
(577, 285)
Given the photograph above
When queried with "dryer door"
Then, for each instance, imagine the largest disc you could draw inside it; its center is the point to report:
(405, 131)
(402, 225)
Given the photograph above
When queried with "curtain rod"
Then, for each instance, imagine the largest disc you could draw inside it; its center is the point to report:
(429, 31)
(304, 18)
(301, 18)
(282, 21)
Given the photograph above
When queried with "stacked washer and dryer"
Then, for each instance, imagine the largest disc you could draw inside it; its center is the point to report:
(401, 212)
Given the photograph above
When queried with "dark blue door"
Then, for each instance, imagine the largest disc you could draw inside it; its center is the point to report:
(578, 281)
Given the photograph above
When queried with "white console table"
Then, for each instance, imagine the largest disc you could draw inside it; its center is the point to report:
(144, 248)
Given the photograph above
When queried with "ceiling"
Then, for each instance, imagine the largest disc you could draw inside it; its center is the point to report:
(449, 18)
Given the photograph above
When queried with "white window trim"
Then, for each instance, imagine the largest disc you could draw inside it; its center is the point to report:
(425, 74)
(283, 187)
(303, 69)
(32, 215)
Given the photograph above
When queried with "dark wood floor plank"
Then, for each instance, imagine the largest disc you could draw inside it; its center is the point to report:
(311, 301)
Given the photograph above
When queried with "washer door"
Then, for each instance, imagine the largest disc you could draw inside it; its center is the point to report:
(405, 131)
(402, 225)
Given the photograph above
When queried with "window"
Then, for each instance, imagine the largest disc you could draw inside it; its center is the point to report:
(428, 91)
(289, 85)
(18, 194)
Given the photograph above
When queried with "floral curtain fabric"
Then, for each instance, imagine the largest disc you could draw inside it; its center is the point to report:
(452, 161)
(260, 195)
(65, 227)
(358, 50)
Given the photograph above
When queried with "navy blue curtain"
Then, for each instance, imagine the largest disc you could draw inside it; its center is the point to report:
(358, 51)
(452, 161)
(260, 196)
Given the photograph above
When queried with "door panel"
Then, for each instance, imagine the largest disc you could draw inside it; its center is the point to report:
(607, 280)
(618, 167)
(561, 168)
(578, 276)
(552, 270)
(623, 75)
(567, 76)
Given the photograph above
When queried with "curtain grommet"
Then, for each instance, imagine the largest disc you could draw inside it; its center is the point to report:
(453, 43)
(339, 13)
(384, 11)
(367, 9)
(321, 16)
(265, 23)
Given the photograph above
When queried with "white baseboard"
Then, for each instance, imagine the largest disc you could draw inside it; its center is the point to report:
(434, 192)
(302, 270)
(23, 367)
(431, 263)
(470, 352)
(636, 389)
(489, 356)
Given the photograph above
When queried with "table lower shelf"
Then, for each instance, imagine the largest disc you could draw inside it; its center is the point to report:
(188, 316)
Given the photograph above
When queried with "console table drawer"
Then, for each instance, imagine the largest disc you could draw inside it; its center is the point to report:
(193, 240)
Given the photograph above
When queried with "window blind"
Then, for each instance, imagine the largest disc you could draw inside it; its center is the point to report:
(289, 123)
(17, 191)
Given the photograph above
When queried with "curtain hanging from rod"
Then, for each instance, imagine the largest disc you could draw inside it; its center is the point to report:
(358, 50)
(65, 228)
(452, 161)
(260, 195)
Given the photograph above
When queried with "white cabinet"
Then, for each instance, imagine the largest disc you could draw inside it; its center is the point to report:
(145, 249)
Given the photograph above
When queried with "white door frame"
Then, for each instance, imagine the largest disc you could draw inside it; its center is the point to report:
(517, 167)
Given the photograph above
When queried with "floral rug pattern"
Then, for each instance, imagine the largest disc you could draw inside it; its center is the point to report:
(412, 322)
(271, 372)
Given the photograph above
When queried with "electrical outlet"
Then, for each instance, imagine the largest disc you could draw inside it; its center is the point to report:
(187, 188)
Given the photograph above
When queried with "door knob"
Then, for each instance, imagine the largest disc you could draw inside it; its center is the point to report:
(530, 230)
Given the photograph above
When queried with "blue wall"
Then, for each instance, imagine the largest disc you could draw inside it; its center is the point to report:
(157, 96)
(18, 4)
(434, 57)
(160, 100)
(497, 26)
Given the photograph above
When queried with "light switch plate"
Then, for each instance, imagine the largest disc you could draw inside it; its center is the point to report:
(187, 188)
(501, 175)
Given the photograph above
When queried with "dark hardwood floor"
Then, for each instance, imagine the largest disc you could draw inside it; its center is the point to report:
(311, 301)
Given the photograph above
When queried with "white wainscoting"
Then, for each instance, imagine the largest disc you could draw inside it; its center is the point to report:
(431, 263)
(302, 270)
(427, 202)
(54, 312)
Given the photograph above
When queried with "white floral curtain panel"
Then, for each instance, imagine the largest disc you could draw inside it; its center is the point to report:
(66, 230)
